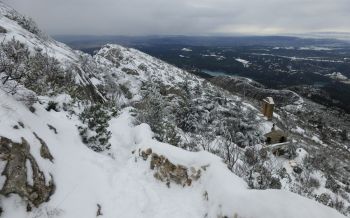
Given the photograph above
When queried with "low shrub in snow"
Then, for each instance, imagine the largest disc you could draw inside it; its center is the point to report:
(35, 71)
(25, 22)
(94, 131)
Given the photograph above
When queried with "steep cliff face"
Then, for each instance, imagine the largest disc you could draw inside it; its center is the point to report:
(122, 134)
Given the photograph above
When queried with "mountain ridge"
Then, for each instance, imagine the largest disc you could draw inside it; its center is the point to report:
(100, 115)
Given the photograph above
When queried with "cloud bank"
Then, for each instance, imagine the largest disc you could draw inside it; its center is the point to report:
(187, 17)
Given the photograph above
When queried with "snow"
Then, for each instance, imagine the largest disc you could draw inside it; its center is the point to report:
(315, 48)
(287, 48)
(186, 49)
(277, 116)
(217, 56)
(156, 69)
(316, 139)
(123, 184)
(215, 73)
(266, 126)
(244, 62)
(29, 173)
(2, 177)
(269, 100)
(95, 81)
(337, 76)
(301, 154)
(299, 58)
(299, 130)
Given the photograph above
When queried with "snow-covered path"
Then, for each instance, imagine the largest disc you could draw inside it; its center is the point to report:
(120, 182)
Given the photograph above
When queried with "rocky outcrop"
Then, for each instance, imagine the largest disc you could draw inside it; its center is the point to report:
(16, 155)
(168, 172)
(114, 55)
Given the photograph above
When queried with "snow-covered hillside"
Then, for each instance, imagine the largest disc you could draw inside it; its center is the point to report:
(122, 183)
(26, 31)
(122, 134)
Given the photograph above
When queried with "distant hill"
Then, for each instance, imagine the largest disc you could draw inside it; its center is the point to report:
(81, 41)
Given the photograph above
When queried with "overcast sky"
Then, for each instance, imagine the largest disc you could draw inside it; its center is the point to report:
(188, 17)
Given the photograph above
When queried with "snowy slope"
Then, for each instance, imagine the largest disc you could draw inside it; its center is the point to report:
(122, 182)
(33, 41)
(119, 182)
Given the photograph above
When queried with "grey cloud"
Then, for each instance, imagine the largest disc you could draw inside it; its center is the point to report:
(191, 17)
